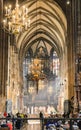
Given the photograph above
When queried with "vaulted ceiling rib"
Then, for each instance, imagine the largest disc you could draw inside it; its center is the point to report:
(48, 23)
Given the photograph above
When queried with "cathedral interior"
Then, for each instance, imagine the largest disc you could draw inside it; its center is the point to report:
(40, 46)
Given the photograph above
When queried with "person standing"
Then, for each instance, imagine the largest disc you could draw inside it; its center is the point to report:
(41, 115)
(41, 119)
(9, 124)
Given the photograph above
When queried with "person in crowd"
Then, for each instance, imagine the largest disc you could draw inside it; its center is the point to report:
(4, 124)
(8, 115)
(5, 114)
(79, 122)
(9, 124)
(64, 115)
(18, 123)
(75, 126)
(26, 116)
(41, 115)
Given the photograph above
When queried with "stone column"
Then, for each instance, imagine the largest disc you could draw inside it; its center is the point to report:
(3, 61)
(1, 10)
(1, 14)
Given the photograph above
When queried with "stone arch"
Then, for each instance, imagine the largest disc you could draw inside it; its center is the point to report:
(48, 23)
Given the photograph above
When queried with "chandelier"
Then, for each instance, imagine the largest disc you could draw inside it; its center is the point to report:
(16, 20)
(36, 72)
(37, 69)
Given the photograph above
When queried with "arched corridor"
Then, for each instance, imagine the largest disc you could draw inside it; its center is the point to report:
(46, 34)
(39, 69)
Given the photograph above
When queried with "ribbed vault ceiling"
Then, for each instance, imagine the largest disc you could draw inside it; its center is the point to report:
(48, 23)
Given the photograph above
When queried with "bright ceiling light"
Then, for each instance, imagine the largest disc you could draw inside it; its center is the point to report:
(68, 2)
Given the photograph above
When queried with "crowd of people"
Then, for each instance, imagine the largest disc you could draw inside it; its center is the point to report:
(66, 121)
(8, 120)
(63, 122)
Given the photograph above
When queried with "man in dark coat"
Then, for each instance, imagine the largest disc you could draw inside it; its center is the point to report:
(18, 123)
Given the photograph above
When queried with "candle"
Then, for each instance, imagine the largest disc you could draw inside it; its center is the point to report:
(23, 9)
(4, 23)
(9, 25)
(26, 11)
(6, 8)
(26, 26)
(9, 8)
(13, 18)
(28, 22)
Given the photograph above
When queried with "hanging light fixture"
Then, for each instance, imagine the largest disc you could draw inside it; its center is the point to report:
(36, 72)
(68, 2)
(16, 20)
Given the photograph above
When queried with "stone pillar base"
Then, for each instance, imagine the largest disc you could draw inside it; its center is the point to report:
(2, 104)
(67, 105)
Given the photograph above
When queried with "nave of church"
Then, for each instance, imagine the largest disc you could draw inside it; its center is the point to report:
(40, 55)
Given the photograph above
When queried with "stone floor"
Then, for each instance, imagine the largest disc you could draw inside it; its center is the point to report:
(32, 127)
